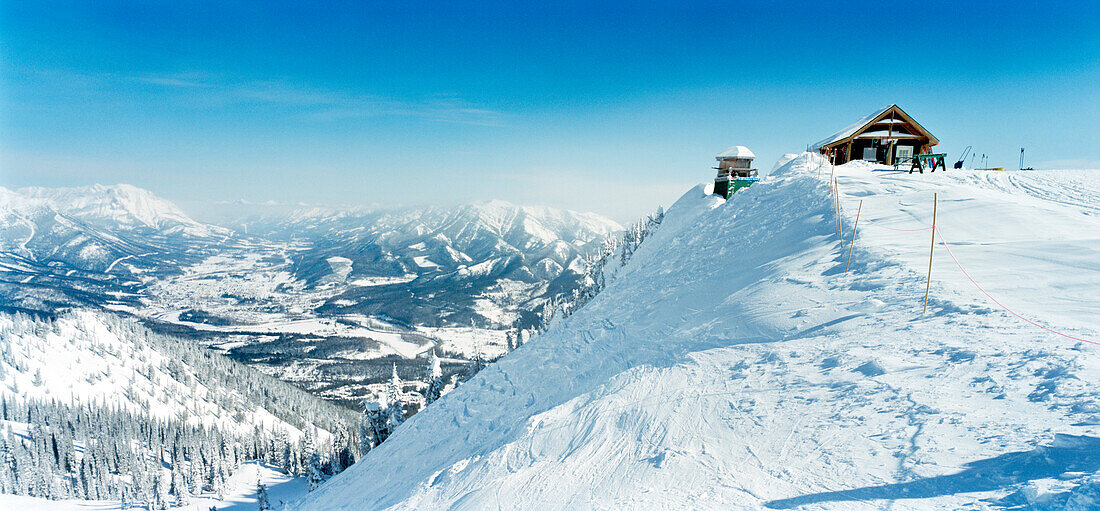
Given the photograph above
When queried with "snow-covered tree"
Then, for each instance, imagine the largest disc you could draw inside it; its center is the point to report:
(478, 362)
(179, 485)
(395, 403)
(261, 497)
(343, 452)
(161, 491)
(367, 427)
(7, 467)
(314, 474)
(388, 413)
(433, 378)
(198, 473)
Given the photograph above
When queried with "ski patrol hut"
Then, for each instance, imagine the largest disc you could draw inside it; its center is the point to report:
(884, 136)
(734, 170)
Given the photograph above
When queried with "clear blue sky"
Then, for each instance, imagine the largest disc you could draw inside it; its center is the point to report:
(595, 106)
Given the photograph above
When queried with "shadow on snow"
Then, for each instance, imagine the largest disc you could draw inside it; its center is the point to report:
(1069, 453)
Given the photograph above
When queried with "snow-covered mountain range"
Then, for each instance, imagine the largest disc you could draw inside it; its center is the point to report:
(339, 288)
(739, 360)
(478, 263)
(82, 246)
(90, 227)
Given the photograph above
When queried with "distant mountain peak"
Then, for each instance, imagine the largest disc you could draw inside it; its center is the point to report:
(112, 206)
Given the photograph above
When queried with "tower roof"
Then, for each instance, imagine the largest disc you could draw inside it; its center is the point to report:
(737, 151)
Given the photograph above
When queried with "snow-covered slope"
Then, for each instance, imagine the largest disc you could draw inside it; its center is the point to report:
(733, 363)
(92, 358)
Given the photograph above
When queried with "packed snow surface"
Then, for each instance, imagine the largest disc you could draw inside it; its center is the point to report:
(733, 363)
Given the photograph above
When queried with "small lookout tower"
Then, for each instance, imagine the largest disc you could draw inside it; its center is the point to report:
(734, 170)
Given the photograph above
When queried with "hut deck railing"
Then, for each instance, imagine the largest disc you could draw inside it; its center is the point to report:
(737, 174)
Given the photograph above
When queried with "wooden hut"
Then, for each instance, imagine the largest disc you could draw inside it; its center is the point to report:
(734, 170)
(883, 136)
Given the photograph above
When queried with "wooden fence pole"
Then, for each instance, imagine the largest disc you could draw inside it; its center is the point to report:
(832, 195)
(928, 284)
(836, 211)
(839, 218)
(852, 244)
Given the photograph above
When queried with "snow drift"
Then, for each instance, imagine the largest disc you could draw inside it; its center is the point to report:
(734, 364)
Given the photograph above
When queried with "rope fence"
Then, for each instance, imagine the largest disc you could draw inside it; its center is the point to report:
(834, 190)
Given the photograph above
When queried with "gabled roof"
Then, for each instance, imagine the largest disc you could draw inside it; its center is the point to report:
(868, 120)
(737, 151)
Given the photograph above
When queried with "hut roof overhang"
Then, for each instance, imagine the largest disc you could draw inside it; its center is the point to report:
(737, 151)
(883, 115)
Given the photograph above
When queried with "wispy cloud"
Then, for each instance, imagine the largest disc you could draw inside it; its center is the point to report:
(327, 105)
(188, 81)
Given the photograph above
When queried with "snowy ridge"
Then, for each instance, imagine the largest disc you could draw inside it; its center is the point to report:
(117, 206)
(748, 370)
(91, 229)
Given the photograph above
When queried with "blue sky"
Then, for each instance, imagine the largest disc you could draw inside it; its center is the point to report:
(605, 107)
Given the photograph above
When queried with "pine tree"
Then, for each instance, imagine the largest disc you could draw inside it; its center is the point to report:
(314, 476)
(367, 430)
(261, 497)
(286, 453)
(344, 455)
(179, 485)
(161, 493)
(7, 467)
(433, 377)
(87, 477)
(197, 473)
(395, 409)
(478, 364)
(218, 484)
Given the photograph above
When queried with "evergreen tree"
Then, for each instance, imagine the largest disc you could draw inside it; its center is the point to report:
(161, 489)
(344, 455)
(197, 473)
(433, 377)
(7, 467)
(286, 453)
(314, 475)
(261, 497)
(218, 484)
(395, 404)
(89, 489)
(478, 362)
(367, 429)
(179, 485)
